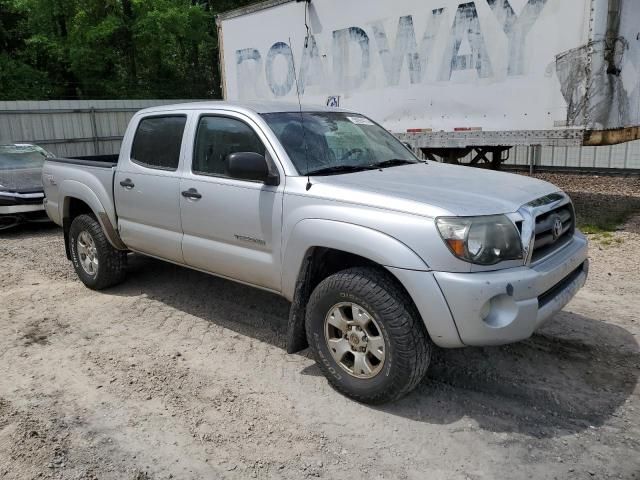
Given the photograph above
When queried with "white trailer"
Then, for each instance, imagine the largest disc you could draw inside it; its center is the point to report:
(448, 76)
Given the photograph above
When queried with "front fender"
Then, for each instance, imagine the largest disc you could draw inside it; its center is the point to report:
(365, 242)
(73, 189)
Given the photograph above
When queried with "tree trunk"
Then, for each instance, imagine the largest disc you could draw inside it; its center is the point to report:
(127, 10)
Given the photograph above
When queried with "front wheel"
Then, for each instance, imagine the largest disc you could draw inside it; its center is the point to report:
(366, 336)
(98, 264)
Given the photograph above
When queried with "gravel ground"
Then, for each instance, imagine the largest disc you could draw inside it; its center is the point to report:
(625, 186)
(176, 374)
(602, 202)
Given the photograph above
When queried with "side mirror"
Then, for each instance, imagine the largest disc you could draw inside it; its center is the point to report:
(250, 166)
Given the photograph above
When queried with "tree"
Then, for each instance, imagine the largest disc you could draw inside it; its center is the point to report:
(110, 48)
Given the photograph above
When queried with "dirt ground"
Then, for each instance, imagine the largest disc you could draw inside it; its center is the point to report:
(180, 375)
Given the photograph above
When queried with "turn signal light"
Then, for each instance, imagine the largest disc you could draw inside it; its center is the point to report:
(456, 246)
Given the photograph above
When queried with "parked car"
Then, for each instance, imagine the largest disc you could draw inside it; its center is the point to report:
(21, 192)
(381, 254)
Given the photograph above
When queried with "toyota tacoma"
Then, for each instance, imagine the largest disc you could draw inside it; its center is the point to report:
(381, 254)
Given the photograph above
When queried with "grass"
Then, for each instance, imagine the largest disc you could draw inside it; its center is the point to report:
(601, 214)
(607, 242)
(603, 229)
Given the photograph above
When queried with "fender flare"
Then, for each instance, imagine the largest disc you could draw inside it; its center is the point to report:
(366, 242)
(75, 190)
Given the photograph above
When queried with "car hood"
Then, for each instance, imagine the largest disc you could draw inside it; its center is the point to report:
(435, 189)
(21, 179)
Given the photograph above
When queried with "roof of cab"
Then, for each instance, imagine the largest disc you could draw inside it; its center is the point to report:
(257, 107)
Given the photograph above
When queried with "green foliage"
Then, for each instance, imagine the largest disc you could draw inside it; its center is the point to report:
(91, 49)
(601, 214)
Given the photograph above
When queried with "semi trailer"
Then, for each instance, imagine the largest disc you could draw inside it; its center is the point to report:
(446, 76)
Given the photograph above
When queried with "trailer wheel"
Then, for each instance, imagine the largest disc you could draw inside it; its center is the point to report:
(366, 336)
(98, 264)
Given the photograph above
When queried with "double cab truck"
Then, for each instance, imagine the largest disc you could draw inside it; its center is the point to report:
(382, 255)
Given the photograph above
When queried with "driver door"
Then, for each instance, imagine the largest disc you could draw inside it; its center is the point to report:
(232, 227)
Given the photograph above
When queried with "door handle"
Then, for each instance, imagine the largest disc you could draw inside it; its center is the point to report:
(192, 194)
(127, 183)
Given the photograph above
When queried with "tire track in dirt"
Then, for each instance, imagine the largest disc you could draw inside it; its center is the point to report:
(210, 374)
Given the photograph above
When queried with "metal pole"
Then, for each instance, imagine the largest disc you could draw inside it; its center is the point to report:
(94, 131)
(530, 151)
(626, 152)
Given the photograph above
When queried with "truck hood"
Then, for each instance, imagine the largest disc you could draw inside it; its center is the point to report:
(21, 179)
(433, 189)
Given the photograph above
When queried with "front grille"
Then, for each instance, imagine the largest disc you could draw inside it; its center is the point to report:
(548, 236)
(7, 200)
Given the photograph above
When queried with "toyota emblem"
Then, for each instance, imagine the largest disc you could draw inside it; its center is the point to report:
(556, 231)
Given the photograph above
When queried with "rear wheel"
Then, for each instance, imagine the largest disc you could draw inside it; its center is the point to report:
(98, 264)
(366, 335)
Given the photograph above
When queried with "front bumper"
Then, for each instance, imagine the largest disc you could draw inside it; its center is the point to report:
(12, 203)
(16, 209)
(493, 308)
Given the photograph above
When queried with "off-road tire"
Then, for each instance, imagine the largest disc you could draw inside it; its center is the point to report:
(112, 263)
(408, 346)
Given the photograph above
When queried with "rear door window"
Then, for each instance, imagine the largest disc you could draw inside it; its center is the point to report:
(157, 142)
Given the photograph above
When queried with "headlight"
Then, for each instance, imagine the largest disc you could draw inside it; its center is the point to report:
(481, 240)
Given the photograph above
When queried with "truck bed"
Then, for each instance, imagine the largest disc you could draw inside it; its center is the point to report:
(79, 176)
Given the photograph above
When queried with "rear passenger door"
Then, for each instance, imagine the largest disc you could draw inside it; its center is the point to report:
(232, 227)
(147, 187)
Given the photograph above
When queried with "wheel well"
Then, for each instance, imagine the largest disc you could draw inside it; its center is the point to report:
(327, 261)
(73, 209)
(320, 263)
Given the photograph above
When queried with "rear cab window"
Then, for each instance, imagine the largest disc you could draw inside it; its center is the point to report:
(158, 141)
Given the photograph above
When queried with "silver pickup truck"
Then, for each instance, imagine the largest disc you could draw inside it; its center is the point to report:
(381, 254)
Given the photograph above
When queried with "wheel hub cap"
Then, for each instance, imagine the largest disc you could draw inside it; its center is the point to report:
(355, 340)
(87, 253)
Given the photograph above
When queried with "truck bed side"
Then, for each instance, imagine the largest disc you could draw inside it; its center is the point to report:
(75, 186)
(100, 161)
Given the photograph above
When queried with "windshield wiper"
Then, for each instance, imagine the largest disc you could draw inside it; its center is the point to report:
(394, 162)
(341, 169)
(359, 168)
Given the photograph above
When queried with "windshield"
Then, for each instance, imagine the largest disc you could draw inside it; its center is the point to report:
(17, 157)
(335, 142)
